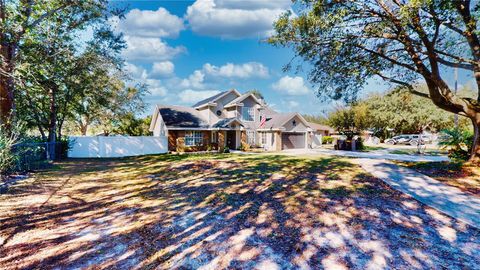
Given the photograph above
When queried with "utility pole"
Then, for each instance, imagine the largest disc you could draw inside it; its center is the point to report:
(455, 117)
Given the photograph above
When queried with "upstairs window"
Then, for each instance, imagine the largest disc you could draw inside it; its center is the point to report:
(193, 138)
(248, 113)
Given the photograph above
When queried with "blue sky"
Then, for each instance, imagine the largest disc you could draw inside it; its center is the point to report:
(188, 50)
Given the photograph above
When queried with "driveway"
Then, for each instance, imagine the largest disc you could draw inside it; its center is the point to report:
(445, 198)
(376, 154)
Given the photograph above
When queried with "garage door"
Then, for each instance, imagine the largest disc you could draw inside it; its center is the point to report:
(292, 140)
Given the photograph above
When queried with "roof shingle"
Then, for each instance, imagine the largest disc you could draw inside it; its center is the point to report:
(181, 116)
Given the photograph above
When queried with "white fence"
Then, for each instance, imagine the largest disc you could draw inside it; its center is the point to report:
(116, 146)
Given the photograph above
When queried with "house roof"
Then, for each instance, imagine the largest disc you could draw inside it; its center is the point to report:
(182, 116)
(214, 98)
(242, 98)
(278, 120)
(223, 123)
(316, 126)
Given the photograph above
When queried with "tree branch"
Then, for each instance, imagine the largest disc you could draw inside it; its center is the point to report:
(405, 65)
(455, 65)
(402, 83)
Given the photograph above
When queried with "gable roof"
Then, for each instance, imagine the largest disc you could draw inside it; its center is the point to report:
(181, 116)
(222, 123)
(276, 121)
(214, 98)
(242, 98)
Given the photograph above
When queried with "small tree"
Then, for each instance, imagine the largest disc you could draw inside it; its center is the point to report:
(128, 124)
(350, 120)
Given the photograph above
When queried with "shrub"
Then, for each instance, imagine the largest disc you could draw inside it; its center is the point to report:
(244, 146)
(327, 140)
(180, 145)
(359, 144)
(458, 142)
(7, 155)
(226, 150)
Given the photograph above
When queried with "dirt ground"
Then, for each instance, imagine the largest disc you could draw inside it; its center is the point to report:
(223, 211)
(463, 176)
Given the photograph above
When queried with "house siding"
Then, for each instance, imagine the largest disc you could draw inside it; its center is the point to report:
(299, 127)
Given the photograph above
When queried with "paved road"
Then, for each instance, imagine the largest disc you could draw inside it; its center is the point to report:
(447, 199)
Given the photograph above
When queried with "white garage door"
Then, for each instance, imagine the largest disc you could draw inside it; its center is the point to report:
(293, 140)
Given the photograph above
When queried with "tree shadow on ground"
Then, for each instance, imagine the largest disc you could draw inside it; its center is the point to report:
(224, 211)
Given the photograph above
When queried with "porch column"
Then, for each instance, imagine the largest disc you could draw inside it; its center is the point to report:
(278, 141)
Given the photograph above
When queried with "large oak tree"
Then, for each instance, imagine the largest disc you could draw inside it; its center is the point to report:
(403, 42)
(19, 22)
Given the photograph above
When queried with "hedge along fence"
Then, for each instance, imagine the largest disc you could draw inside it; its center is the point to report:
(116, 146)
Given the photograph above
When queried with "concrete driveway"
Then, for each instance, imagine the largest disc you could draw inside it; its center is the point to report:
(447, 199)
(376, 154)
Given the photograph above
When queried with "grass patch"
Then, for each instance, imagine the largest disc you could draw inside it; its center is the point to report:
(430, 152)
(368, 148)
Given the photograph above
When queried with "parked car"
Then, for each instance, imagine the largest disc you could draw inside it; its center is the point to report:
(410, 139)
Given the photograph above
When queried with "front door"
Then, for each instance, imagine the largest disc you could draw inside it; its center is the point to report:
(231, 139)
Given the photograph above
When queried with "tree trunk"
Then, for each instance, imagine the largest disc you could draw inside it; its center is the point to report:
(42, 133)
(52, 128)
(6, 87)
(59, 129)
(83, 129)
(475, 151)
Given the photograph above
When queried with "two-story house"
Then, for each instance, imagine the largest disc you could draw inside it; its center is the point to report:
(230, 119)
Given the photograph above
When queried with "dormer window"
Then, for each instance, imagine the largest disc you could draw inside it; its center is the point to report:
(248, 113)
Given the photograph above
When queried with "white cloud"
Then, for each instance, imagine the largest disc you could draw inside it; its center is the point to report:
(156, 88)
(234, 19)
(149, 23)
(162, 69)
(191, 96)
(145, 48)
(136, 72)
(158, 91)
(243, 71)
(195, 80)
(292, 86)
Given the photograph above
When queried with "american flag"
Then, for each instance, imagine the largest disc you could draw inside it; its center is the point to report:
(263, 120)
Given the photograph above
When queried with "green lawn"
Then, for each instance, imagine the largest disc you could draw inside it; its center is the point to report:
(223, 211)
(414, 151)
